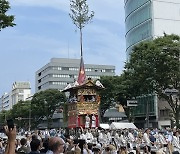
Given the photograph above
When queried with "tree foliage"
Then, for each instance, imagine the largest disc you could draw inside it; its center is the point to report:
(3, 116)
(20, 110)
(154, 66)
(117, 91)
(46, 102)
(80, 15)
(5, 20)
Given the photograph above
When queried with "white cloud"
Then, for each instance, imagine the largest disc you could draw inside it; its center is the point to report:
(111, 10)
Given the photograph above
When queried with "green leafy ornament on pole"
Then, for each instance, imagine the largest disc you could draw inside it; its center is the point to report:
(80, 15)
(5, 20)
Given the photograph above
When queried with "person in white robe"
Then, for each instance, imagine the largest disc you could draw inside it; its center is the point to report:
(93, 123)
(131, 139)
(176, 142)
(89, 137)
(87, 123)
(146, 137)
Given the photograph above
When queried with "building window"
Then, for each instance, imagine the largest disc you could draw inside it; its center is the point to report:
(65, 68)
(59, 68)
(109, 70)
(61, 76)
(93, 76)
(56, 68)
(21, 91)
(164, 113)
(59, 83)
(71, 76)
(20, 97)
(73, 69)
(88, 69)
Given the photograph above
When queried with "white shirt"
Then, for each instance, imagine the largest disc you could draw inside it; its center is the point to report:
(131, 137)
(161, 139)
(146, 139)
(175, 143)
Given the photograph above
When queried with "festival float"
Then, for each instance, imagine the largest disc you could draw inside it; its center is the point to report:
(83, 101)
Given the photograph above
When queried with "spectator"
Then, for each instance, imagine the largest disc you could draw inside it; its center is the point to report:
(24, 148)
(35, 146)
(176, 142)
(45, 146)
(1, 146)
(55, 145)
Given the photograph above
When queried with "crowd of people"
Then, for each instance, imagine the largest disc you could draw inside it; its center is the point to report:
(90, 141)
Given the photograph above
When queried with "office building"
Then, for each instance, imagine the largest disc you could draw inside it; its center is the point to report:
(61, 71)
(148, 19)
(20, 91)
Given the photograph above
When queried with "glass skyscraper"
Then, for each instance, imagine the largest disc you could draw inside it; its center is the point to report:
(147, 19)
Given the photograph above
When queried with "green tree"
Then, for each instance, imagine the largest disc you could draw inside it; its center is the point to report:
(3, 117)
(80, 15)
(107, 94)
(116, 90)
(154, 66)
(5, 20)
(20, 110)
(45, 103)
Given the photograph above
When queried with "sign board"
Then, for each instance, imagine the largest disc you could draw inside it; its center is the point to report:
(171, 91)
(132, 103)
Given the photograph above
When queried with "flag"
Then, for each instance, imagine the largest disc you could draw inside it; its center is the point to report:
(82, 76)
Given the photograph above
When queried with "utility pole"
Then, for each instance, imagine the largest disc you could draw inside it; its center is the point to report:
(147, 114)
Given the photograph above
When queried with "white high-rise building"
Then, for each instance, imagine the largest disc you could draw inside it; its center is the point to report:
(148, 19)
(20, 91)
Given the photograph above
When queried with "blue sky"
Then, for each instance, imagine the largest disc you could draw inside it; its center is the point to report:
(44, 30)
